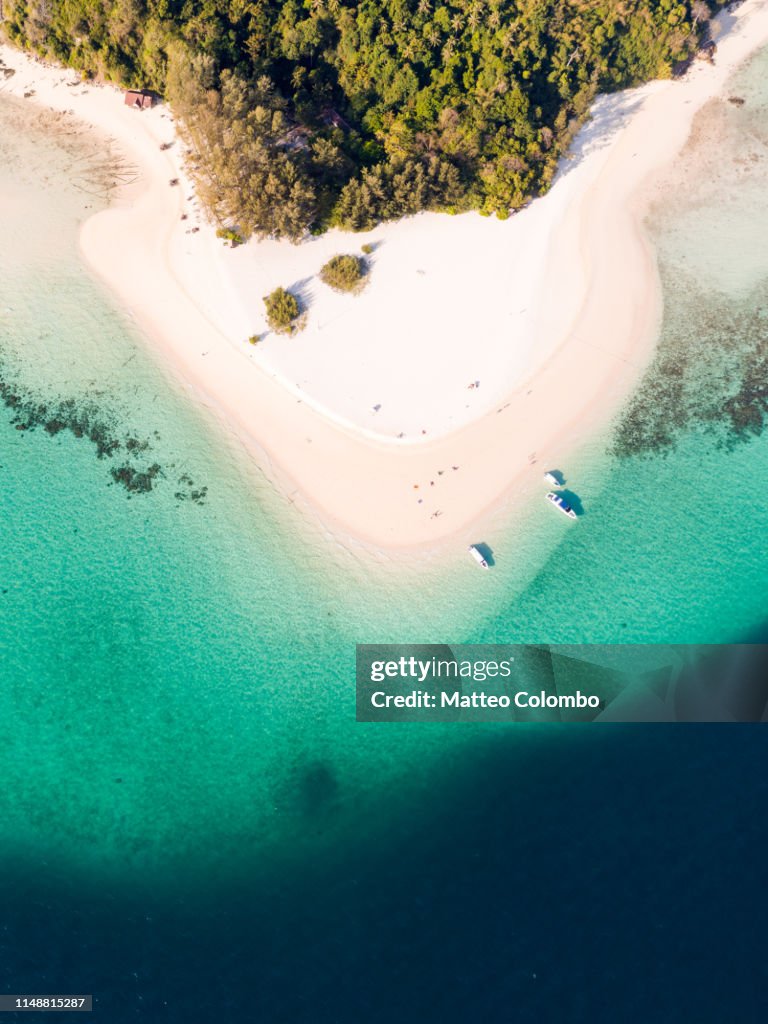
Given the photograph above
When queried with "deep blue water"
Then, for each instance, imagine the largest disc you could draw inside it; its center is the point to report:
(612, 874)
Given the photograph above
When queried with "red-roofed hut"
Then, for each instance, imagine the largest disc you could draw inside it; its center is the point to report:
(139, 99)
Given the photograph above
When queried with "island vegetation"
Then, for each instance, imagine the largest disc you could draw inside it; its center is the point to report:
(283, 313)
(303, 115)
(344, 273)
(231, 237)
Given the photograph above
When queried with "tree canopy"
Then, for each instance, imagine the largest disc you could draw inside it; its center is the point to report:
(282, 311)
(344, 273)
(303, 115)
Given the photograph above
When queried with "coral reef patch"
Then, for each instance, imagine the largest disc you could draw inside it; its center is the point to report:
(710, 373)
(84, 418)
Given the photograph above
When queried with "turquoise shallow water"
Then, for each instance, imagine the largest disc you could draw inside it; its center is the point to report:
(178, 643)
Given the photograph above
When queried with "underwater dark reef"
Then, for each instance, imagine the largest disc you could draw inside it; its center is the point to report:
(710, 372)
(84, 418)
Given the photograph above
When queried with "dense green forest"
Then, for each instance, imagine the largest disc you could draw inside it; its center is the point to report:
(301, 115)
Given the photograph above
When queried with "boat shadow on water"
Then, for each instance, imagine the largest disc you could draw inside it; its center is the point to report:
(487, 552)
(555, 477)
(572, 499)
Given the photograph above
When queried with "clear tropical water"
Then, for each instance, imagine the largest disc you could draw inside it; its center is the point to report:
(177, 641)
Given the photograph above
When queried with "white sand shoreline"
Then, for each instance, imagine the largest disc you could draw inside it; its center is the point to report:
(590, 285)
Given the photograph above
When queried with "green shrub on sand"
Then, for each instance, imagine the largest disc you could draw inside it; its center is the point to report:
(344, 273)
(282, 311)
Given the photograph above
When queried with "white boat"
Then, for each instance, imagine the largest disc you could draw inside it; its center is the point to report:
(553, 478)
(478, 556)
(561, 503)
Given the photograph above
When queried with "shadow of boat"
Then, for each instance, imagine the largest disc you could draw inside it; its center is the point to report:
(574, 501)
(487, 552)
(555, 477)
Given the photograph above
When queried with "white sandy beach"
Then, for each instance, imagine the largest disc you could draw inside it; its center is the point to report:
(554, 311)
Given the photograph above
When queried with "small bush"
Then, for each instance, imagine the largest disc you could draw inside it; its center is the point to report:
(343, 273)
(367, 248)
(230, 235)
(282, 311)
(254, 339)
